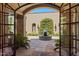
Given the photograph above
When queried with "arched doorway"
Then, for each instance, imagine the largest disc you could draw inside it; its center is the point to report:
(48, 25)
(39, 6)
(33, 27)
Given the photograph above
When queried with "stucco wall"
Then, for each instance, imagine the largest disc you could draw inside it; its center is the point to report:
(37, 17)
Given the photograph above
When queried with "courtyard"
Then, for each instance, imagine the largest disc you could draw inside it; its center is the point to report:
(39, 47)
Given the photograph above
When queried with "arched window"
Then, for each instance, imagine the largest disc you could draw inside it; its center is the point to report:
(33, 27)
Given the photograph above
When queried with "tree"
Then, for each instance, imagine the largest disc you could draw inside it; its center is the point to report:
(46, 24)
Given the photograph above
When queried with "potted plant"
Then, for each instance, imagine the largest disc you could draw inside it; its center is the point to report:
(57, 42)
(21, 41)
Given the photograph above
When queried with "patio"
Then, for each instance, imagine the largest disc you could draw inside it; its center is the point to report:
(39, 48)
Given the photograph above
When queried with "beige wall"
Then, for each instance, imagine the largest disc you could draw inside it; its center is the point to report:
(37, 17)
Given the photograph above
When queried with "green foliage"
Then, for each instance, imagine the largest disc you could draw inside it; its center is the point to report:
(46, 24)
(56, 34)
(57, 42)
(32, 34)
(21, 40)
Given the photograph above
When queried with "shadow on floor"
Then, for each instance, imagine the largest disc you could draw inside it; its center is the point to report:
(39, 48)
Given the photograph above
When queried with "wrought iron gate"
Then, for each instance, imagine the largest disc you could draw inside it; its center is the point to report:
(69, 31)
(6, 30)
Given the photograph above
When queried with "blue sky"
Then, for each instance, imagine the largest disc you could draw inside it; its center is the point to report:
(41, 10)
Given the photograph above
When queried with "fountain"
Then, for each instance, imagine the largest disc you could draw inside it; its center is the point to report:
(45, 35)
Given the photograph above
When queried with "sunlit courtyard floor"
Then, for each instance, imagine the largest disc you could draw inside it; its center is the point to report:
(39, 47)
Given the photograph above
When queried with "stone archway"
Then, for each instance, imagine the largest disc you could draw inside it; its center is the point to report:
(50, 6)
(31, 8)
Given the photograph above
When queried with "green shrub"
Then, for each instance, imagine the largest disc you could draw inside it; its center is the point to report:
(32, 34)
(56, 34)
(21, 40)
(46, 24)
(57, 42)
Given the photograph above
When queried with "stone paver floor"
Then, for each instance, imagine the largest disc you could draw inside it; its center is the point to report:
(38, 48)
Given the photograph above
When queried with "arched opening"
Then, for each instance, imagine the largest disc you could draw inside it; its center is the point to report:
(33, 27)
(47, 24)
(34, 16)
